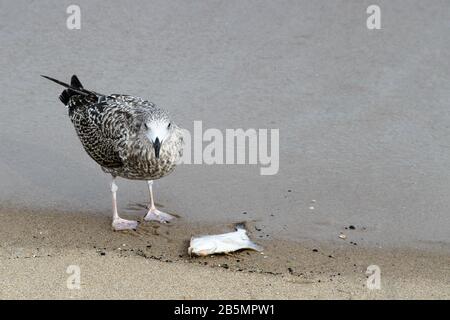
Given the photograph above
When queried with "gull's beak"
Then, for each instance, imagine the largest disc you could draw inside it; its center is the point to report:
(157, 147)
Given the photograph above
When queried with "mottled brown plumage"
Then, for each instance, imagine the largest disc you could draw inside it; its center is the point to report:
(113, 133)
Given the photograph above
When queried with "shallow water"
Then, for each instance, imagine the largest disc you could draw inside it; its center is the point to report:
(363, 115)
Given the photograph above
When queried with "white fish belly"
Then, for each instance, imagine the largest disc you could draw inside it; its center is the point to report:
(221, 243)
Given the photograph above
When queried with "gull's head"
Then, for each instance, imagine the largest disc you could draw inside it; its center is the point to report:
(157, 131)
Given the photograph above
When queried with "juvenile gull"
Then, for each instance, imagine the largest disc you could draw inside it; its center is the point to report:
(127, 136)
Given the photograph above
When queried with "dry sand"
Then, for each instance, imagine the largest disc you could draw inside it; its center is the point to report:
(152, 263)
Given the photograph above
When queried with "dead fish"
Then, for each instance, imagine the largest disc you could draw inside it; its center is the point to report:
(222, 243)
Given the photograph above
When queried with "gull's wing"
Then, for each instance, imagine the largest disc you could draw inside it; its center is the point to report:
(105, 128)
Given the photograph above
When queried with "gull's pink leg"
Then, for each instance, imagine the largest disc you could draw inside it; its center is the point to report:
(154, 214)
(119, 223)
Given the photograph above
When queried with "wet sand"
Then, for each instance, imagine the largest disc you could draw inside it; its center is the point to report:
(37, 247)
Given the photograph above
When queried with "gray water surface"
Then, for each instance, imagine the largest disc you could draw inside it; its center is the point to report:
(364, 115)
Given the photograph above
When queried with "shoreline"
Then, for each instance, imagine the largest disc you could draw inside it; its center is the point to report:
(45, 243)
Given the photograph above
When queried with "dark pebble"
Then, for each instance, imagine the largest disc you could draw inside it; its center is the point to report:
(315, 250)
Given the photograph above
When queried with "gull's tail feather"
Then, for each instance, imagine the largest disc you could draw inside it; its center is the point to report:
(75, 82)
(74, 88)
(68, 93)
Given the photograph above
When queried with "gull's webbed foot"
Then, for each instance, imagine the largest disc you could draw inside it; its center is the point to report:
(119, 224)
(155, 215)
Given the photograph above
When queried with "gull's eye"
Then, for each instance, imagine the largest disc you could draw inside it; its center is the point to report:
(168, 126)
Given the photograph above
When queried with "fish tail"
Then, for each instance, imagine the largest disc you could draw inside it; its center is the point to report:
(255, 246)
